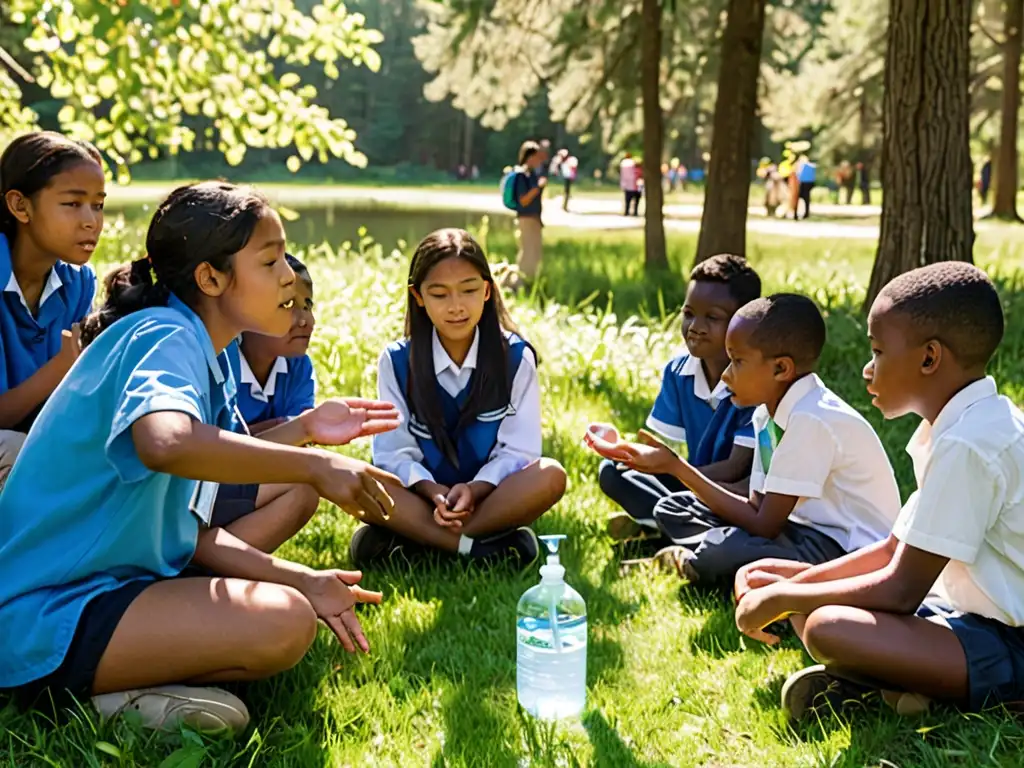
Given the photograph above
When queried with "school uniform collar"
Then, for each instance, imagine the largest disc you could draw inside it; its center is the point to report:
(797, 391)
(259, 391)
(53, 281)
(443, 362)
(920, 445)
(701, 389)
(173, 302)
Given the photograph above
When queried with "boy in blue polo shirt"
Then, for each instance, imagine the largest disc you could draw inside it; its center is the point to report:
(693, 407)
(275, 376)
(51, 217)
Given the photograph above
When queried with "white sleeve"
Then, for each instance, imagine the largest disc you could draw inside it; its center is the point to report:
(519, 436)
(959, 500)
(397, 451)
(802, 462)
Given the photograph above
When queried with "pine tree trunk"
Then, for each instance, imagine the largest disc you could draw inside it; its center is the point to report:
(723, 223)
(655, 256)
(926, 158)
(1005, 204)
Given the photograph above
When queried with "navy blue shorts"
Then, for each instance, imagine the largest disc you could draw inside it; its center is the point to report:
(232, 503)
(994, 651)
(76, 673)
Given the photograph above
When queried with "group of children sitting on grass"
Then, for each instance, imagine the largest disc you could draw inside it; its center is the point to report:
(169, 453)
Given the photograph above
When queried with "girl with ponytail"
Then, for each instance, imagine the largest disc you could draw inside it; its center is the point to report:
(95, 597)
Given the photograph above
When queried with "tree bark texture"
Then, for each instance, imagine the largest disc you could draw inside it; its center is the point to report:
(723, 223)
(1005, 204)
(926, 158)
(655, 256)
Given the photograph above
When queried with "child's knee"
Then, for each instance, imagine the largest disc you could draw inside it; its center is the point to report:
(306, 502)
(610, 479)
(553, 478)
(288, 626)
(826, 633)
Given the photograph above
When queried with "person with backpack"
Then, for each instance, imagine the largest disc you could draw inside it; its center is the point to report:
(521, 191)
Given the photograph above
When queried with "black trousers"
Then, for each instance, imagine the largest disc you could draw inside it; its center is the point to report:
(722, 549)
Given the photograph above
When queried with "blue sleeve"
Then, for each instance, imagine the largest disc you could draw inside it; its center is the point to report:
(744, 436)
(84, 305)
(667, 415)
(301, 386)
(162, 368)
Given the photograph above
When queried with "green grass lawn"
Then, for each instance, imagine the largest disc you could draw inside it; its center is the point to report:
(670, 680)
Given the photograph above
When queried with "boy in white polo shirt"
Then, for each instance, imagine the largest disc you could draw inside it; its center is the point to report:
(937, 609)
(821, 484)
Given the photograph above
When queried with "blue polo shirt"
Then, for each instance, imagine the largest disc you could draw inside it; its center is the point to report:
(289, 390)
(27, 343)
(688, 411)
(103, 519)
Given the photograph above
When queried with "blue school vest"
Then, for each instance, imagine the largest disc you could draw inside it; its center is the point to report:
(474, 442)
(716, 443)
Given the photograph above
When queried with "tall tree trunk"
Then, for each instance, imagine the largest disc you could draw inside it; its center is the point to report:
(1005, 204)
(655, 255)
(723, 224)
(926, 158)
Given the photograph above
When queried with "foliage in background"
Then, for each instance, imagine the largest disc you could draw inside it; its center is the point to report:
(135, 77)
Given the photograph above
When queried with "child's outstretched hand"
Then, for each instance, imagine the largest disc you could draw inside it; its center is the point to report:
(333, 595)
(650, 455)
(341, 420)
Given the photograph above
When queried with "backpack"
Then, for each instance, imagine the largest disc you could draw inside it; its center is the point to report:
(508, 189)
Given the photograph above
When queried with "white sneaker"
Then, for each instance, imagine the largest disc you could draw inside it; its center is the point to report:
(166, 707)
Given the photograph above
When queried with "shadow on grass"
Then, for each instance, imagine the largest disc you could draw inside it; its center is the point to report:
(468, 650)
(609, 748)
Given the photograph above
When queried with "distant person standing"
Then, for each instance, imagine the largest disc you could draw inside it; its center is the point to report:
(528, 190)
(569, 170)
(985, 181)
(864, 182)
(628, 183)
(807, 175)
(847, 181)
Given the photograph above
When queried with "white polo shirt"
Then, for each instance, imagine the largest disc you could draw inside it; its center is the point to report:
(969, 505)
(832, 460)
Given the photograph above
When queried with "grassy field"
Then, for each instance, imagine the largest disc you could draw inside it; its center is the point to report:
(670, 680)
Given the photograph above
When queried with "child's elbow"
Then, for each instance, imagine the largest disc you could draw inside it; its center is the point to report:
(158, 446)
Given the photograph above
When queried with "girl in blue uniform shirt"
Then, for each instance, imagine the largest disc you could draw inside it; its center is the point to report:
(92, 596)
(275, 375)
(51, 217)
(468, 450)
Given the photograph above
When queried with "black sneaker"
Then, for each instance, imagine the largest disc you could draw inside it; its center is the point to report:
(814, 691)
(519, 545)
(370, 543)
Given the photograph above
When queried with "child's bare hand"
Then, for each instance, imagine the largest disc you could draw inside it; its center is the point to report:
(761, 573)
(355, 486)
(333, 595)
(650, 455)
(755, 611)
(339, 421)
(461, 500)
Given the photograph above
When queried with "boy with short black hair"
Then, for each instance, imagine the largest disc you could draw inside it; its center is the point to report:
(821, 484)
(874, 616)
(693, 406)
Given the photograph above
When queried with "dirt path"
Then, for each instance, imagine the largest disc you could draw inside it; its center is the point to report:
(588, 213)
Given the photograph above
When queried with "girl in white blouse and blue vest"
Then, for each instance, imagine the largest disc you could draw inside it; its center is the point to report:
(469, 447)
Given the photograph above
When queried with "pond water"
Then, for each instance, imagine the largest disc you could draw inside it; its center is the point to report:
(336, 223)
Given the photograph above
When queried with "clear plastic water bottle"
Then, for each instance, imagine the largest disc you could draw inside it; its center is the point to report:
(551, 633)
